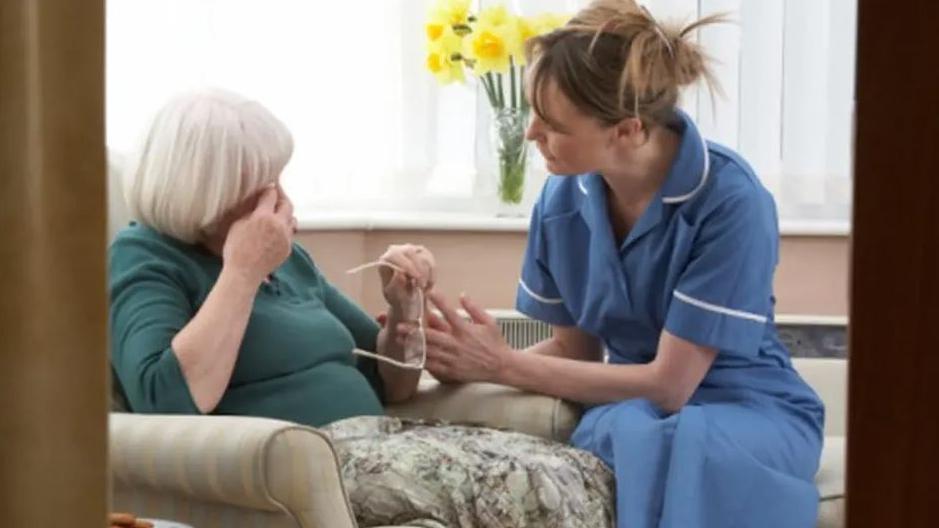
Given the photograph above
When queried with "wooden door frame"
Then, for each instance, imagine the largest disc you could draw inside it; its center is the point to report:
(893, 423)
(53, 304)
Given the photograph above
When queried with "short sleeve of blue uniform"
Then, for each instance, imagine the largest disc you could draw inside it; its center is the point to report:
(538, 295)
(724, 295)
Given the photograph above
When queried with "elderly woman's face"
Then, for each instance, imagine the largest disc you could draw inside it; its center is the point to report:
(245, 208)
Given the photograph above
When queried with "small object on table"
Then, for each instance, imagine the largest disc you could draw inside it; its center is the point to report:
(128, 520)
(162, 523)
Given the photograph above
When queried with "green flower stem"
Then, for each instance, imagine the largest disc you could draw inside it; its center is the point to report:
(501, 91)
(511, 180)
(487, 84)
(495, 95)
(512, 82)
(524, 103)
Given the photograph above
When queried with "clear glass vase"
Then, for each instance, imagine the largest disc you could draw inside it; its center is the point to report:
(511, 157)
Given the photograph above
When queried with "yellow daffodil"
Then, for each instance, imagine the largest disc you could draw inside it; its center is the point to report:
(452, 12)
(489, 47)
(488, 43)
(435, 29)
(444, 57)
(494, 39)
(534, 26)
(548, 22)
(525, 31)
(496, 15)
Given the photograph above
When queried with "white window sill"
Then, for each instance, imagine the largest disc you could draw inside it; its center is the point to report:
(391, 221)
(820, 228)
(388, 221)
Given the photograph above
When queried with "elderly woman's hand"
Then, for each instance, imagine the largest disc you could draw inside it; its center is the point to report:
(260, 241)
(419, 271)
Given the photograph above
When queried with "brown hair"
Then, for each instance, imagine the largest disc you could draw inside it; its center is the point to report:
(613, 60)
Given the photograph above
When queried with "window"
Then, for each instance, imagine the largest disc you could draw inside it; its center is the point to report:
(373, 131)
(787, 70)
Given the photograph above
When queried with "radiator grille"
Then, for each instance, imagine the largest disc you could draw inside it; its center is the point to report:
(804, 336)
(519, 330)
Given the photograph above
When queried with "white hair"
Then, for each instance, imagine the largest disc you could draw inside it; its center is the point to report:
(204, 153)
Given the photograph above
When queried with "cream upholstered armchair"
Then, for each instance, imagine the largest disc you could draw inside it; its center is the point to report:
(227, 471)
(232, 472)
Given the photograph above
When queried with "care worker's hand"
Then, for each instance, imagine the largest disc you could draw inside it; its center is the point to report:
(466, 351)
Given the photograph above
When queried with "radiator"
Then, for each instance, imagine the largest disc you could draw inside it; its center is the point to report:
(519, 330)
(803, 335)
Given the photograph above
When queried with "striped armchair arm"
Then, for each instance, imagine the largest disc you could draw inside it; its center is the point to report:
(240, 462)
(493, 406)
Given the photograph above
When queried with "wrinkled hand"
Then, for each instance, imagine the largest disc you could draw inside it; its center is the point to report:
(465, 351)
(260, 241)
(431, 321)
(419, 272)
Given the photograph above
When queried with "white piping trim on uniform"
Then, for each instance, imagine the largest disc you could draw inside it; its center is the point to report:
(536, 296)
(580, 184)
(720, 309)
(704, 177)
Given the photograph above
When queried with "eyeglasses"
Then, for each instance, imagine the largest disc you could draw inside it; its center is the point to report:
(415, 344)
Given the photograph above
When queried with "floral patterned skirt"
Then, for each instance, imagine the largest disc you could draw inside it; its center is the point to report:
(436, 475)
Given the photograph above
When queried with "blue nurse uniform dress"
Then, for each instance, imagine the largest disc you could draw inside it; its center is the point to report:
(698, 263)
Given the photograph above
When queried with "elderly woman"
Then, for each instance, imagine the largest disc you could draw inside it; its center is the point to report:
(214, 309)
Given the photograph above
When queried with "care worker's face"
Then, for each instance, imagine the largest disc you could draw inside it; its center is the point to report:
(570, 141)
